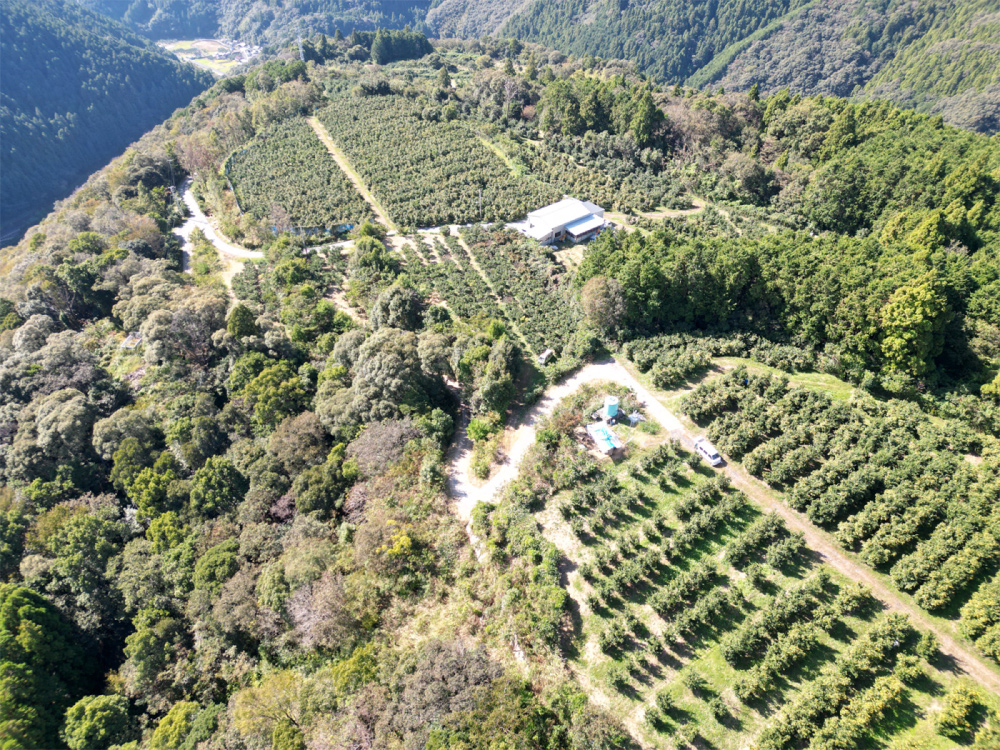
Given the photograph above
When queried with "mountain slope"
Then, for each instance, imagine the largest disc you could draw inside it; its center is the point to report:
(77, 89)
(670, 39)
(933, 55)
(259, 21)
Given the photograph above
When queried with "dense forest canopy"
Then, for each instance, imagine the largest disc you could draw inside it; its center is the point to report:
(228, 507)
(934, 55)
(77, 89)
(259, 22)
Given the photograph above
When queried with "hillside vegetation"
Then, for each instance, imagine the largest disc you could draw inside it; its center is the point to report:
(257, 21)
(77, 90)
(935, 55)
(246, 526)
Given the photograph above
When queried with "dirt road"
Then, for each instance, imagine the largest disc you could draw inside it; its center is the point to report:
(198, 220)
(465, 494)
(354, 177)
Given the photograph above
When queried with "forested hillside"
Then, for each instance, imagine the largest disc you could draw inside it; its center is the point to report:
(935, 55)
(259, 22)
(77, 90)
(250, 505)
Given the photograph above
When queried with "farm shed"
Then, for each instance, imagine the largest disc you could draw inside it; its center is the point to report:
(569, 218)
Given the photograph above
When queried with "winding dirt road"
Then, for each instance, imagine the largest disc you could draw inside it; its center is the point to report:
(466, 494)
(198, 220)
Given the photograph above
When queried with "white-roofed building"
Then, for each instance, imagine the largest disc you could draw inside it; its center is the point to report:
(569, 218)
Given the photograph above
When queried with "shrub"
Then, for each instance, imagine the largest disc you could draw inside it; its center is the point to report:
(956, 720)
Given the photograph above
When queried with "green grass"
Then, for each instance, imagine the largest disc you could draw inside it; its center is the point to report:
(838, 389)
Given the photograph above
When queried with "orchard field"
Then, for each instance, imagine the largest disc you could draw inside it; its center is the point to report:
(703, 620)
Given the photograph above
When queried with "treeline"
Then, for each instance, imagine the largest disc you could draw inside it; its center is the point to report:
(78, 88)
(871, 309)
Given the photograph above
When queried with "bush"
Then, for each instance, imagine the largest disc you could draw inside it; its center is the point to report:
(957, 717)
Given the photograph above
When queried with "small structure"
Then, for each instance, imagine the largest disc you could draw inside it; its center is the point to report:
(569, 218)
(132, 340)
(607, 442)
(544, 357)
(609, 412)
(610, 408)
(634, 418)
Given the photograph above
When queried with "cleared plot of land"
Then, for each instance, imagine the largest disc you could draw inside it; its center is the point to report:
(427, 173)
(287, 175)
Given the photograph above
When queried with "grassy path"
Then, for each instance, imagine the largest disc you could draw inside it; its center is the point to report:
(338, 156)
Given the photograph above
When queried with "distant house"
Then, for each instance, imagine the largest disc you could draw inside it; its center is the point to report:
(568, 219)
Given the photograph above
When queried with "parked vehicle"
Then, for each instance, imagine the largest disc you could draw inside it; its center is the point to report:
(707, 451)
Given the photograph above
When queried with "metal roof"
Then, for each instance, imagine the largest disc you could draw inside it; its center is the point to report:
(584, 225)
(562, 213)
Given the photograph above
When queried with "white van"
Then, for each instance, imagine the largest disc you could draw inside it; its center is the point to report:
(707, 451)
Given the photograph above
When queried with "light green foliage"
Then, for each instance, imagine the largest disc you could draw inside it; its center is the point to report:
(914, 322)
(165, 531)
(480, 428)
(173, 727)
(961, 705)
(277, 392)
(217, 565)
(97, 721)
(272, 587)
(149, 493)
(216, 487)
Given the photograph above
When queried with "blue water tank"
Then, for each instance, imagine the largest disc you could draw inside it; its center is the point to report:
(610, 406)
